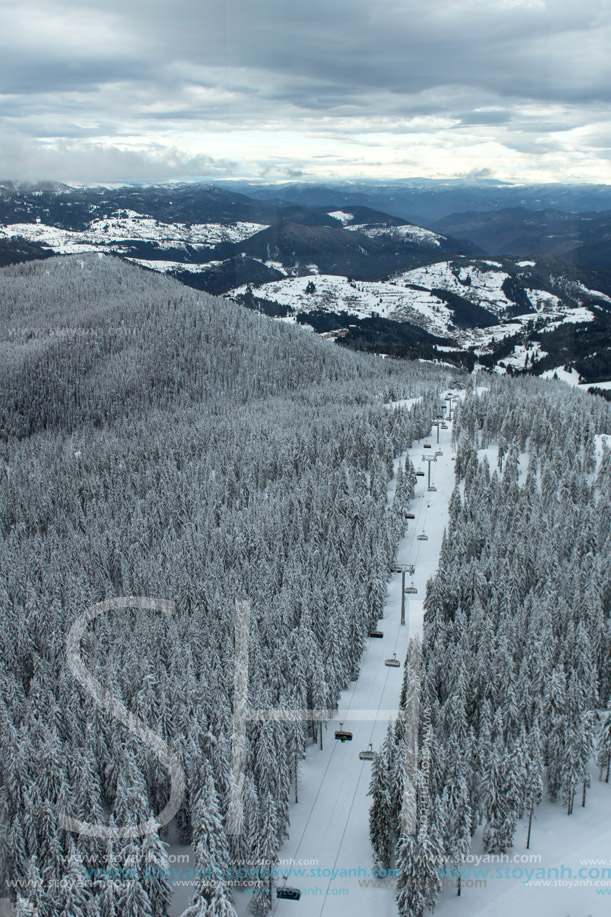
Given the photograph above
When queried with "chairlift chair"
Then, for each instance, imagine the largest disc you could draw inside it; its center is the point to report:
(432, 487)
(367, 755)
(288, 893)
(411, 590)
(342, 735)
(444, 426)
(376, 633)
(422, 537)
(438, 453)
(410, 515)
(420, 474)
(427, 446)
(392, 663)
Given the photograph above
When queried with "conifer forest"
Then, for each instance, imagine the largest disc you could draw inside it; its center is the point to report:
(158, 442)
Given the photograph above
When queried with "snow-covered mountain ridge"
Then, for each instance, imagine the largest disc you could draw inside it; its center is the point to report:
(372, 280)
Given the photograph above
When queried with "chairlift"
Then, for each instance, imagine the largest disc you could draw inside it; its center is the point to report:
(438, 453)
(393, 663)
(422, 537)
(444, 426)
(376, 633)
(410, 515)
(367, 755)
(432, 487)
(427, 446)
(420, 474)
(411, 590)
(288, 893)
(342, 735)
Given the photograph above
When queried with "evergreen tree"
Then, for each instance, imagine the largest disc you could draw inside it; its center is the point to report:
(603, 744)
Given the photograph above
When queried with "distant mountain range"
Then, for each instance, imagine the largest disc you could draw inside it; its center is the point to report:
(424, 201)
(513, 288)
(585, 238)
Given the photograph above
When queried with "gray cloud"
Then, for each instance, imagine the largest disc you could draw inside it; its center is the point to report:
(24, 159)
(182, 74)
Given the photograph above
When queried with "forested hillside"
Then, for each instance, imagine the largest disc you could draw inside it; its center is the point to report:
(157, 442)
(505, 703)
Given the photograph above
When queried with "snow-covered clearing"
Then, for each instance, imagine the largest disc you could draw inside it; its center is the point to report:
(408, 297)
(127, 225)
(479, 286)
(333, 293)
(342, 215)
(570, 376)
(403, 403)
(521, 354)
(165, 266)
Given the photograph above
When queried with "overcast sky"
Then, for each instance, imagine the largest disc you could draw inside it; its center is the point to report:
(281, 89)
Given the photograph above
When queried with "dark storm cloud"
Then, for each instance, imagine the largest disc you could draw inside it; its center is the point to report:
(541, 50)
(70, 68)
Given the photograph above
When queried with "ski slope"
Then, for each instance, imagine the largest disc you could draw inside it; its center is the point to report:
(330, 824)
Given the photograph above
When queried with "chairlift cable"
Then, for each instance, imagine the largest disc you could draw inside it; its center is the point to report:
(341, 843)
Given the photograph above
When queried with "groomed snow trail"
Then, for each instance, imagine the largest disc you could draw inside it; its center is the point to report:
(328, 855)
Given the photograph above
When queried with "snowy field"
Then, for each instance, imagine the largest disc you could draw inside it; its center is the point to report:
(408, 297)
(127, 225)
(572, 377)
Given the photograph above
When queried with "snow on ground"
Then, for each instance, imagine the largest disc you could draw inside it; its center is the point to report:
(470, 282)
(342, 215)
(521, 353)
(329, 825)
(525, 263)
(126, 225)
(408, 297)
(492, 454)
(544, 301)
(571, 377)
(410, 232)
(165, 266)
(334, 293)
(61, 241)
(277, 266)
(569, 856)
(403, 403)
(582, 288)
(603, 442)
(571, 316)
(328, 855)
